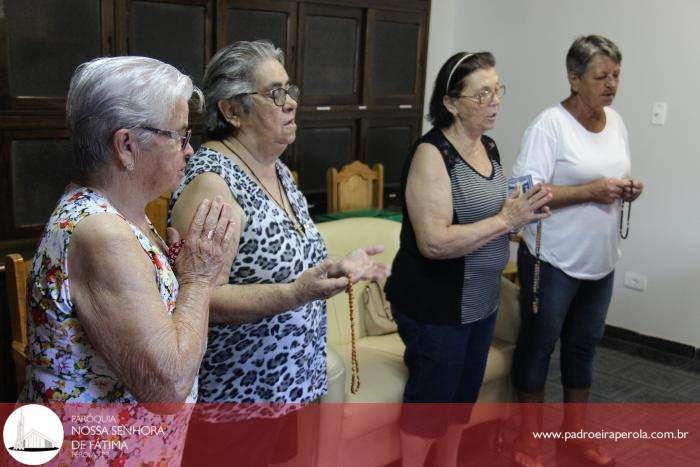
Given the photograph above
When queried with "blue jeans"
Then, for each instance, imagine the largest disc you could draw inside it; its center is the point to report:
(446, 364)
(571, 309)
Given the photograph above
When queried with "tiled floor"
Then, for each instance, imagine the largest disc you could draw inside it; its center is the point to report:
(623, 372)
(626, 372)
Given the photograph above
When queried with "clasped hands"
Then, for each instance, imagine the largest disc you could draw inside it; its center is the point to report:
(609, 190)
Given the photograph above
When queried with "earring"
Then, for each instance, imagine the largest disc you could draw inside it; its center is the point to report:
(130, 166)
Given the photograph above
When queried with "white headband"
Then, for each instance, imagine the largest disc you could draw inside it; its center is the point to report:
(459, 62)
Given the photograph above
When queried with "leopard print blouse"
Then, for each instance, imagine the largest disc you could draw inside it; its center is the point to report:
(279, 359)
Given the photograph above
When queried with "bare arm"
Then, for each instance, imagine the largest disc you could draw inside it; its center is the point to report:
(237, 304)
(429, 203)
(603, 191)
(155, 355)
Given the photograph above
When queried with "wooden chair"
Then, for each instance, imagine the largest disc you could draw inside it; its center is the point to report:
(16, 272)
(356, 186)
(157, 212)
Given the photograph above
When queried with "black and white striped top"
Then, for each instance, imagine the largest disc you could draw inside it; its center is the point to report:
(461, 290)
(476, 198)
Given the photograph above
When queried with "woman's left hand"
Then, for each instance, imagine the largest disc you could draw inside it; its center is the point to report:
(632, 190)
(358, 265)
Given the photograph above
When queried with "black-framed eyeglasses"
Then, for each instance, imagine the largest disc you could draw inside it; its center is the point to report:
(278, 95)
(184, 139)
(487, 95)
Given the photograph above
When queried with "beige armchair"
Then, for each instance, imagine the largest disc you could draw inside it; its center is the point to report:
(363, 429)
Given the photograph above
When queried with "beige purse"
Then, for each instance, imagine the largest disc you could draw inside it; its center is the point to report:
(377, 310)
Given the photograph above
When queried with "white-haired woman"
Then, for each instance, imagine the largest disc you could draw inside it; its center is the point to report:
(123, 326)
(267, 340)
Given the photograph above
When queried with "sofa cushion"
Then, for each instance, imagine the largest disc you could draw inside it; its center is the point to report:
(383, 377)
(338, 319)
(389, 343)
(508, 320)
(499, 362)
(341, 237)
(345, 235)
(336, 377)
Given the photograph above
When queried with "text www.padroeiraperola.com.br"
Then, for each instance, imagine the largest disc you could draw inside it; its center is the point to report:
(611, 435)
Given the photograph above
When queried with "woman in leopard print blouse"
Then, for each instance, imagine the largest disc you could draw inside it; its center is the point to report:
(267, 337)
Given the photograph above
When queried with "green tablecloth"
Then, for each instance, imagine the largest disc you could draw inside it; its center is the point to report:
(389, 215)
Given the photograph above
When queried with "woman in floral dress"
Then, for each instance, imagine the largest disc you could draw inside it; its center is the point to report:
(110, 321)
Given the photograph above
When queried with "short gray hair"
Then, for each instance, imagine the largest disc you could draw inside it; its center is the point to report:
(232, 72)
(585, 48)
(108, 94)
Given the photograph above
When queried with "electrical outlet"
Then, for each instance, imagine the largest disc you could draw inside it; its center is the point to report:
(635, 281)
(658, 113)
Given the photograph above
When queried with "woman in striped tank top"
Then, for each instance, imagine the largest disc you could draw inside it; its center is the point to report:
(454, 244)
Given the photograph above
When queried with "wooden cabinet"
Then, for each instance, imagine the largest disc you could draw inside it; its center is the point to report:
(387, 140)
(41, 43)
(330, 67)
(260, 19)
(360, 65)
(37, 165)
(322, 144)
(178, 32)
(395, 58)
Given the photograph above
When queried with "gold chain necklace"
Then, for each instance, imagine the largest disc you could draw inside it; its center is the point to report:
(292, 217)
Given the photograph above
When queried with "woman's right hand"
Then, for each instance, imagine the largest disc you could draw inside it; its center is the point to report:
(314, 283)
(606, 190)
(522, 208)
(202, 254)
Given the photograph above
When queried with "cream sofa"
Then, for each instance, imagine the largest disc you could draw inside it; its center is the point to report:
(363, 429)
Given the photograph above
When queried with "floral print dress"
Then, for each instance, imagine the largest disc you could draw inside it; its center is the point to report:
(62, 364)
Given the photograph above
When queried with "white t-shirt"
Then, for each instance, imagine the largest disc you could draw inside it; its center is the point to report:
(582, 240)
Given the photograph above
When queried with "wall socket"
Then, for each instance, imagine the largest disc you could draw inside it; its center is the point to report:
(658, 113)
(635, 281)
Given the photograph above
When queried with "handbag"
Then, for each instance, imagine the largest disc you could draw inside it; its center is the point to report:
(377, 310)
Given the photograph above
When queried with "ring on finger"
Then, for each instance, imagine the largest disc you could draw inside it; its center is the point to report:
(210, 234)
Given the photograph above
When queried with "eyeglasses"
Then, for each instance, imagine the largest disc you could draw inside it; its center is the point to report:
(185, 139)
(278, 95)
(487, 95)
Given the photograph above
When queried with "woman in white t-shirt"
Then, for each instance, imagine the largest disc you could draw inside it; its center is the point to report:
(579, 150)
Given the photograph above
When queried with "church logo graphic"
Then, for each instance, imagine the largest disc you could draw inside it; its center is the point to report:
(33, 434)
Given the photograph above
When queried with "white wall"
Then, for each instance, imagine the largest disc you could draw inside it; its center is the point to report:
(441, 40)
(660, 44)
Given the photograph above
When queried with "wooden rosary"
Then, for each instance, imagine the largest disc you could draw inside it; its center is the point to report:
(355, 378)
